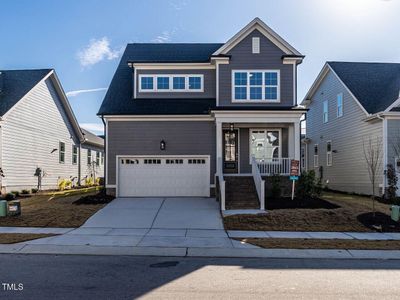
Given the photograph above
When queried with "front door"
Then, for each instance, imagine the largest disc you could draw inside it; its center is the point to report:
(230, 151)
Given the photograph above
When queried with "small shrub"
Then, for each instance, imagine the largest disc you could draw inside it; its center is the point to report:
(276, 186)
(392, 184)
(89, 181)
(25, 192)
(9, 196)
(308, 186)
(34, 191)
(16, 193)
(64, 184)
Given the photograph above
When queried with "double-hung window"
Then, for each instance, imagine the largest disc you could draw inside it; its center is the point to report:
(265, 144)
(89, 157)
(339, 105)
(74, 154)
(97, 158)
(61, 156)
(102, 158)
(316, 156)
(329, 153)
(256, 85)
(171, 83)
(325, 111)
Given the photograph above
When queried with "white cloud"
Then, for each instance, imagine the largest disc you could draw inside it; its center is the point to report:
(178, 5)
(164, 37)
(97, 128)
(96, 51)
(77, 92)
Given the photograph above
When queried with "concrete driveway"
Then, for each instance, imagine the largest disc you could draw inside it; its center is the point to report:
(158, 213)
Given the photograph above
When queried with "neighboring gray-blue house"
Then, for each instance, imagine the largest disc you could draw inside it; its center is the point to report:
(350, 104)
(181, 119)
(38, 129)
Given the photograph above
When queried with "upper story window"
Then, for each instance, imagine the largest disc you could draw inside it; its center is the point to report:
(171, 83)
(339, 105)
(255, 45)
(257, 86)
(325, 112)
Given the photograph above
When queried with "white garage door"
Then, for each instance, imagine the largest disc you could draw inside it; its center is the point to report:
(163, 176)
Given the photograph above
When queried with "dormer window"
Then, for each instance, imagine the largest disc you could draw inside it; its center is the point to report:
(171, 83)
(255, 86)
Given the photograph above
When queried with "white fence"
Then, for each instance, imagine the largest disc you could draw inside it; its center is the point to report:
(274, 166)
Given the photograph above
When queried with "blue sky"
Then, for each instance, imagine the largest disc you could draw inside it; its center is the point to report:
(83, 39)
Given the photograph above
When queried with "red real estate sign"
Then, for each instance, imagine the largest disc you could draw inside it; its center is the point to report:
(294, 167)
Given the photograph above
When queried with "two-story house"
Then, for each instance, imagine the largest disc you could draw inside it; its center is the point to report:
(353, 109)
(40, 136)
(183, 118)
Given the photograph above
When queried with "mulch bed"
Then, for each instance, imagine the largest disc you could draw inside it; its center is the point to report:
(309, 203)
(323, 244)
(12, 238)
(381, 222)
(99, 198)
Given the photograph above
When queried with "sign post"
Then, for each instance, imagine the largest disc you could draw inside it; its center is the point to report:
(294, 173)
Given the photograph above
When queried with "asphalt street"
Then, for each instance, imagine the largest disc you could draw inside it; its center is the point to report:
(129, 277)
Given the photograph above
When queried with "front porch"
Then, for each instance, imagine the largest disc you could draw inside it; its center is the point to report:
(255, 145)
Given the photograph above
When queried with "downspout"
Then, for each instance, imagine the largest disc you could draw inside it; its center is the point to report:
(384, 145)
(79, 164)
(104, 154)
(305, 152)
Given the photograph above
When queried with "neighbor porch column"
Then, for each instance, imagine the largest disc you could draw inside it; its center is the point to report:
(297, 140)
(218, 147)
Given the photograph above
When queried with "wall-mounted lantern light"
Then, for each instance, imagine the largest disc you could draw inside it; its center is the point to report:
(231, 127)
(163, 145)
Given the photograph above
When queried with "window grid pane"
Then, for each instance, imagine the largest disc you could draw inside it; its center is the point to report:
(195, 83)
(147, 83)
(241, 93)
(163, 83)
(178, 83)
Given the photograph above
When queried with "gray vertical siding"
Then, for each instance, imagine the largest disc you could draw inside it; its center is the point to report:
(349, 170)
(209, 84)
(270, 57)
(143, 138)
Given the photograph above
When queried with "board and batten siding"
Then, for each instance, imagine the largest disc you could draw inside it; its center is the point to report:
(144, 137)
(208, 84)
(269, 58)
(30, 133)
(348, 133)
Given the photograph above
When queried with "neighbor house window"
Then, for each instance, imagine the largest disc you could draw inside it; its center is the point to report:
(74, 154)
(265, 144)
(325, 112)
(147, 83)
(255, 45)
(339, 102)
(102, 158)
(329, 153)
(316, 156)
(61, 151)
(97, 158)
(303, 158)
(257, 85)
(89, 157)
(171, 83)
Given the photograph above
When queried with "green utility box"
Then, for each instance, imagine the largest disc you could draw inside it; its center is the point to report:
(14, 208)
(3, 208)
(395, 212)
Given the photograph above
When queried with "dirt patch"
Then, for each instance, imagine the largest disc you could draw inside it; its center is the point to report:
(310, 203)
(99, 198)
(344, 218)
(382, 221)
(12, 238)
(52, 211)
(323, 244)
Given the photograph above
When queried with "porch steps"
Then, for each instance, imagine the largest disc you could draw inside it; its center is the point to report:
(241, 193)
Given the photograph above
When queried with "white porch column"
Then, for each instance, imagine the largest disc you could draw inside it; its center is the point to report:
(218, 155)
(297, 140)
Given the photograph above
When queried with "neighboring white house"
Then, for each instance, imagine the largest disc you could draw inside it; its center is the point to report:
(39, 132)
(350, 105)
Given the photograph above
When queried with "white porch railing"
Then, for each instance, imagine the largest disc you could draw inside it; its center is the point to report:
(274, 166)
(259, 182)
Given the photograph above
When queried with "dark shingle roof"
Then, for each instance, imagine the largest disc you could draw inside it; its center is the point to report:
(91, 138)
(118, 99)
(15, 84)
(375, 85)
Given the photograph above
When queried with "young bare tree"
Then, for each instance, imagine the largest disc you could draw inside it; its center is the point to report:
(372, 149)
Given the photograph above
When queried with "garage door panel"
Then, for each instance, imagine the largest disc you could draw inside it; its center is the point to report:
(168, 176)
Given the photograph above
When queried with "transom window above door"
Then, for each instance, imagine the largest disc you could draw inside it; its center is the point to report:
(255, 86)
(171, 83)
(265, 144)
